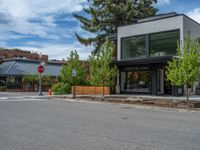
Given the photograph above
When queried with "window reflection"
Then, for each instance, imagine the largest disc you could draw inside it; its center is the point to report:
(138, 81)
(164, 44)
(134, 47)
(150, 45)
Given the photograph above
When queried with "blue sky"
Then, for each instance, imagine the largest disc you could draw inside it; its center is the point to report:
(47, 26)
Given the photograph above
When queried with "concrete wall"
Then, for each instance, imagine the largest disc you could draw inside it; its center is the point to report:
(191, 27)
(166, 24)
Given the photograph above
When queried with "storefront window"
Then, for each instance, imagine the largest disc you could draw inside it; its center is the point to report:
(164, 44)
(138, 81)
(14, 82)
(134, 47)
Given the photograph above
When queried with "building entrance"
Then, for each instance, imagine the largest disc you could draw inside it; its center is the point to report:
(136, 81)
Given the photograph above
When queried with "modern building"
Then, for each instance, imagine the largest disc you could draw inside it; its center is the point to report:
(13, 70)
(145, 47)
(17, 53)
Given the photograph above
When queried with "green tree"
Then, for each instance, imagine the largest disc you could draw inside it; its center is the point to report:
(66, 71)
(185, 69)
(30, 79)
(34, 79)
(101, 71)
(105, 16)
(46, 80)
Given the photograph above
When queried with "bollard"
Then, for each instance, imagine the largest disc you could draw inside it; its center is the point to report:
(49, 92)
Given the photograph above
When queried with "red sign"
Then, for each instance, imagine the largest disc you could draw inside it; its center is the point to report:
(40, 69)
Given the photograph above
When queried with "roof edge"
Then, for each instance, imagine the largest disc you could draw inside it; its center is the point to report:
(170, 16)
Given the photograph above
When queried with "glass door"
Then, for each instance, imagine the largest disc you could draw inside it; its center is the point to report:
(138, 81)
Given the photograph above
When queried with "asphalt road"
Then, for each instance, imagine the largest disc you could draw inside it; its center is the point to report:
(28, 124)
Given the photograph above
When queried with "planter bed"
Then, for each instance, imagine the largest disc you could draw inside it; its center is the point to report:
(179, 104)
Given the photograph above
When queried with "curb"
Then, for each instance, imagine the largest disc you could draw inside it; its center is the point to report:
(49, 96)
(136, 105)
(129, 100)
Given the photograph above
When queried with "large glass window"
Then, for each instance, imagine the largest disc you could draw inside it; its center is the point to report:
(14, 82)
(137, 81)
(134, 47)
(163, 44)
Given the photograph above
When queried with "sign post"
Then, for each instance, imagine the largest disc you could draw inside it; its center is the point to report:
(40, 71)
(74, 75)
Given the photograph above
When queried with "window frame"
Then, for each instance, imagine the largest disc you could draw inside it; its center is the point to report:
(147, 42)
(179, 36)
(146, 47)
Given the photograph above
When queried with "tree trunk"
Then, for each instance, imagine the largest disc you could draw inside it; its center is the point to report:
(186, 91)
(103, 90)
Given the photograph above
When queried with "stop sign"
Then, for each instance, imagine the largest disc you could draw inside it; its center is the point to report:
(40, 69)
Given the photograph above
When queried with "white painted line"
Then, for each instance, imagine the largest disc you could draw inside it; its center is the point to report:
(22, 100)
(3, 98)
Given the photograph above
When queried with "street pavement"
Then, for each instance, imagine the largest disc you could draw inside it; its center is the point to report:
(34, 124)
(18, 94)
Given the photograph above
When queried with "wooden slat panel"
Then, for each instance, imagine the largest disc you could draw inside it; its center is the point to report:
(91, 90)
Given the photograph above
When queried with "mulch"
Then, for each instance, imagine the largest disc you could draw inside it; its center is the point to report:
(179, 104)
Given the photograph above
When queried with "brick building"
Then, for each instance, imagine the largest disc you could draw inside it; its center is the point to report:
(16, 53)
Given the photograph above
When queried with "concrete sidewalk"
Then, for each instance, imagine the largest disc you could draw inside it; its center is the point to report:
(128, 96)
(117, 96)
(20, 94)
(120, 96)
(164, 97)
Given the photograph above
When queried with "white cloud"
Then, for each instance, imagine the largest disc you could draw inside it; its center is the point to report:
(56, 51)
(30, 18)
(16, 9)
(164, 2)
(195, 14)
(28, 8)
(16, 15)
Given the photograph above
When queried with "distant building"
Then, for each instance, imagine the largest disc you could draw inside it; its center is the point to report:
(15, 64)
(63, 61)
(17, 53)
(13, 70)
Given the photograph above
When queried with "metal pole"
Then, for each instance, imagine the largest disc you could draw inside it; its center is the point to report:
(74, 91)
(73, 96)
(74, 88)
(40, 86)
(103, 89)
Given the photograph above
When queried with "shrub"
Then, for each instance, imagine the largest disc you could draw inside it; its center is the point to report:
(86, 83)
(2, 88)
(61, 88)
